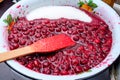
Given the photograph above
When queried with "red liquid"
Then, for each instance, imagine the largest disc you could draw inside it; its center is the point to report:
(93, 40)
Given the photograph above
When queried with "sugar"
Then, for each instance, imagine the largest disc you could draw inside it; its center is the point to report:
(55, 12)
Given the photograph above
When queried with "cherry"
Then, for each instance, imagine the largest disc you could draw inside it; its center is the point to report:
(97, 41)
(71, 72)
(10, 37)
(64, 28)
(64, 72)
(19, 35)
(83, 61)
(24, 29)
(86, 68)
(39, 27)
(16, 40)
(76, 38)
(58, 29)
(29, 42)
(37, 35)
(15, 46)
(36, 63)
(46, 70)
(14, 31)
(75, 61)
(78, 69)
(32, 33)
(31, 22)
(80, 48)
(26, 32)
(22, 42)
(46, 64)
(70, 31)
(30, 66)
(69, 52)
(56, 70)
(51, 29)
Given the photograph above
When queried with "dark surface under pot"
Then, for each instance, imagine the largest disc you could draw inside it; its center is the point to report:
(6, 73)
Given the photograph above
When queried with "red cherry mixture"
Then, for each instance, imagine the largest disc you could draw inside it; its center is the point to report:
(93, 43)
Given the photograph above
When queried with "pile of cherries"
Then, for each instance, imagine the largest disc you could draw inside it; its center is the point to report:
(93, 44)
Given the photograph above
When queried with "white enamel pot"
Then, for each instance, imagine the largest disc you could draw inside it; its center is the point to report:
(24, 7)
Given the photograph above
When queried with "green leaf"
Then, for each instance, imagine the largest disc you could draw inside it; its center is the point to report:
(80, 3)
(91, 4)
(89, 71)
(85, 71)
(15, 20)
(90, 1)
(5, 21)
(9, 19)
(94, 5)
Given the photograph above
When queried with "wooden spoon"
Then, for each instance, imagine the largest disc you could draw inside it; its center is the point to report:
(44, 45)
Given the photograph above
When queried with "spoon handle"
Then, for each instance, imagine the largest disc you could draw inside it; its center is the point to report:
(44, 45)
(15, 53)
